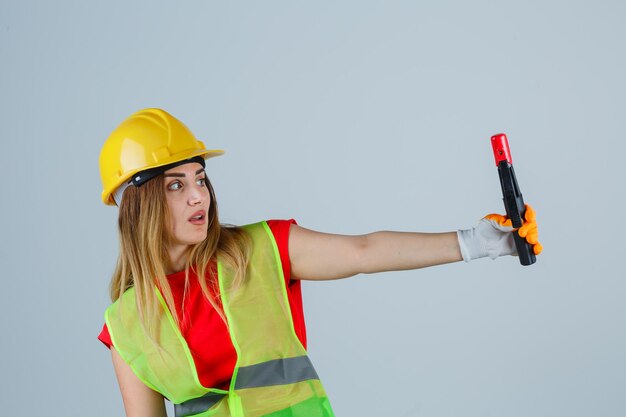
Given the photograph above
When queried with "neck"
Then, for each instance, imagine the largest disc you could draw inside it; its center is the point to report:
(177, 258)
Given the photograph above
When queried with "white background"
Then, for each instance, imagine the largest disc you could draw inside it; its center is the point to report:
(350, 117)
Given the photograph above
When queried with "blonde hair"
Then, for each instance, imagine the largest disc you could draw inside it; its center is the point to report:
(143, 231)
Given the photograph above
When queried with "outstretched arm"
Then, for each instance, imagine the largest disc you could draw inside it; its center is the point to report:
(322, 256)
(319, 256)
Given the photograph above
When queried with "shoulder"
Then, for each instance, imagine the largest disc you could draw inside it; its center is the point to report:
(280, 228)
(128, 294)
(125, 304)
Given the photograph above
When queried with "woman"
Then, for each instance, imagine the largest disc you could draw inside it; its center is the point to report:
(210, 316)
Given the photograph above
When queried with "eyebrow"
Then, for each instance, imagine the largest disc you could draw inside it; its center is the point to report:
(180, 175)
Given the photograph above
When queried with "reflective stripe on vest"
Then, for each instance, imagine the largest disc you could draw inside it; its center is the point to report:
(273, 376)
(198, 405)
(275, 372)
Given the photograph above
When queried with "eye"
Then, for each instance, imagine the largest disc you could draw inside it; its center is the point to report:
(201, 181)
(174, 186)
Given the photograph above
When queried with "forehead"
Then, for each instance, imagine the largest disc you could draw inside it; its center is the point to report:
(191, 168)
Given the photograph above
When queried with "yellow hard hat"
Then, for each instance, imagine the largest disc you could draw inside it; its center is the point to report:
(148, 139)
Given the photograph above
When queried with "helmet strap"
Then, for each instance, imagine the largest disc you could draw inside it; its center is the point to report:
(144, 176)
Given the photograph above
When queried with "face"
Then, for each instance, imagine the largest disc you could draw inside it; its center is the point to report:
(188, 200)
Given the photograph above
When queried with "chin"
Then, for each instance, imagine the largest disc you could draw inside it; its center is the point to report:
(199, 239)
(192, 237)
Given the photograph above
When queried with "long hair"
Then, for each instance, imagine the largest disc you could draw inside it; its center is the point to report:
(143, 258)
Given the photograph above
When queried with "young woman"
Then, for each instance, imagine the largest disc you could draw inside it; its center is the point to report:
(210, 316)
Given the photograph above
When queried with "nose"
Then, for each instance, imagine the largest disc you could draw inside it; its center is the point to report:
(195, 197)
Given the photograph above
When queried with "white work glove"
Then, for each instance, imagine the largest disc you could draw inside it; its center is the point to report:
(493, 237)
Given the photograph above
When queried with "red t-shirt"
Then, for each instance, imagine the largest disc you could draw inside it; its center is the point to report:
(204, 330)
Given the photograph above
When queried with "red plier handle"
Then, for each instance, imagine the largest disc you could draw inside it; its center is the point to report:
(501, 150)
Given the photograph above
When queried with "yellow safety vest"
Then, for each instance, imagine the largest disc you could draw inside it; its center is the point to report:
(273, 376)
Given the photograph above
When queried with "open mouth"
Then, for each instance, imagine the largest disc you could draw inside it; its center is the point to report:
(198, 217)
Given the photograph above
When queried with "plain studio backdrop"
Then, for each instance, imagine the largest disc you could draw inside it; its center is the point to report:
(350, 117)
